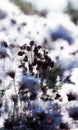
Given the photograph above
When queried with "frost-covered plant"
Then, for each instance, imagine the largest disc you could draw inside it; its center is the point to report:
(38, 73)
(38, 58)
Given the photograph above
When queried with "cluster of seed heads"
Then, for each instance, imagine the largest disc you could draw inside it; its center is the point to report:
(32, 56)
(37, 57)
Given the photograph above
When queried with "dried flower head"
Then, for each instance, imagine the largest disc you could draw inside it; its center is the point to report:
(31, 43)
(21, 53)
(11, 74)
(28, 48)
(4, 44)
(71, 96)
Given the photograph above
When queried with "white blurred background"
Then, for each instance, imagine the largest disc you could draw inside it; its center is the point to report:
(53, 5)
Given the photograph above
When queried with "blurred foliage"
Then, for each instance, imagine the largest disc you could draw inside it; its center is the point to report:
(52, 76)
(72, 12)
(28, 8)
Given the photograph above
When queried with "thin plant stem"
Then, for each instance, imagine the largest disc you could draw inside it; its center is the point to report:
(15, 87)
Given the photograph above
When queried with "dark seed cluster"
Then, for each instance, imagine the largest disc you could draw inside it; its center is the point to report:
(41, 60)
